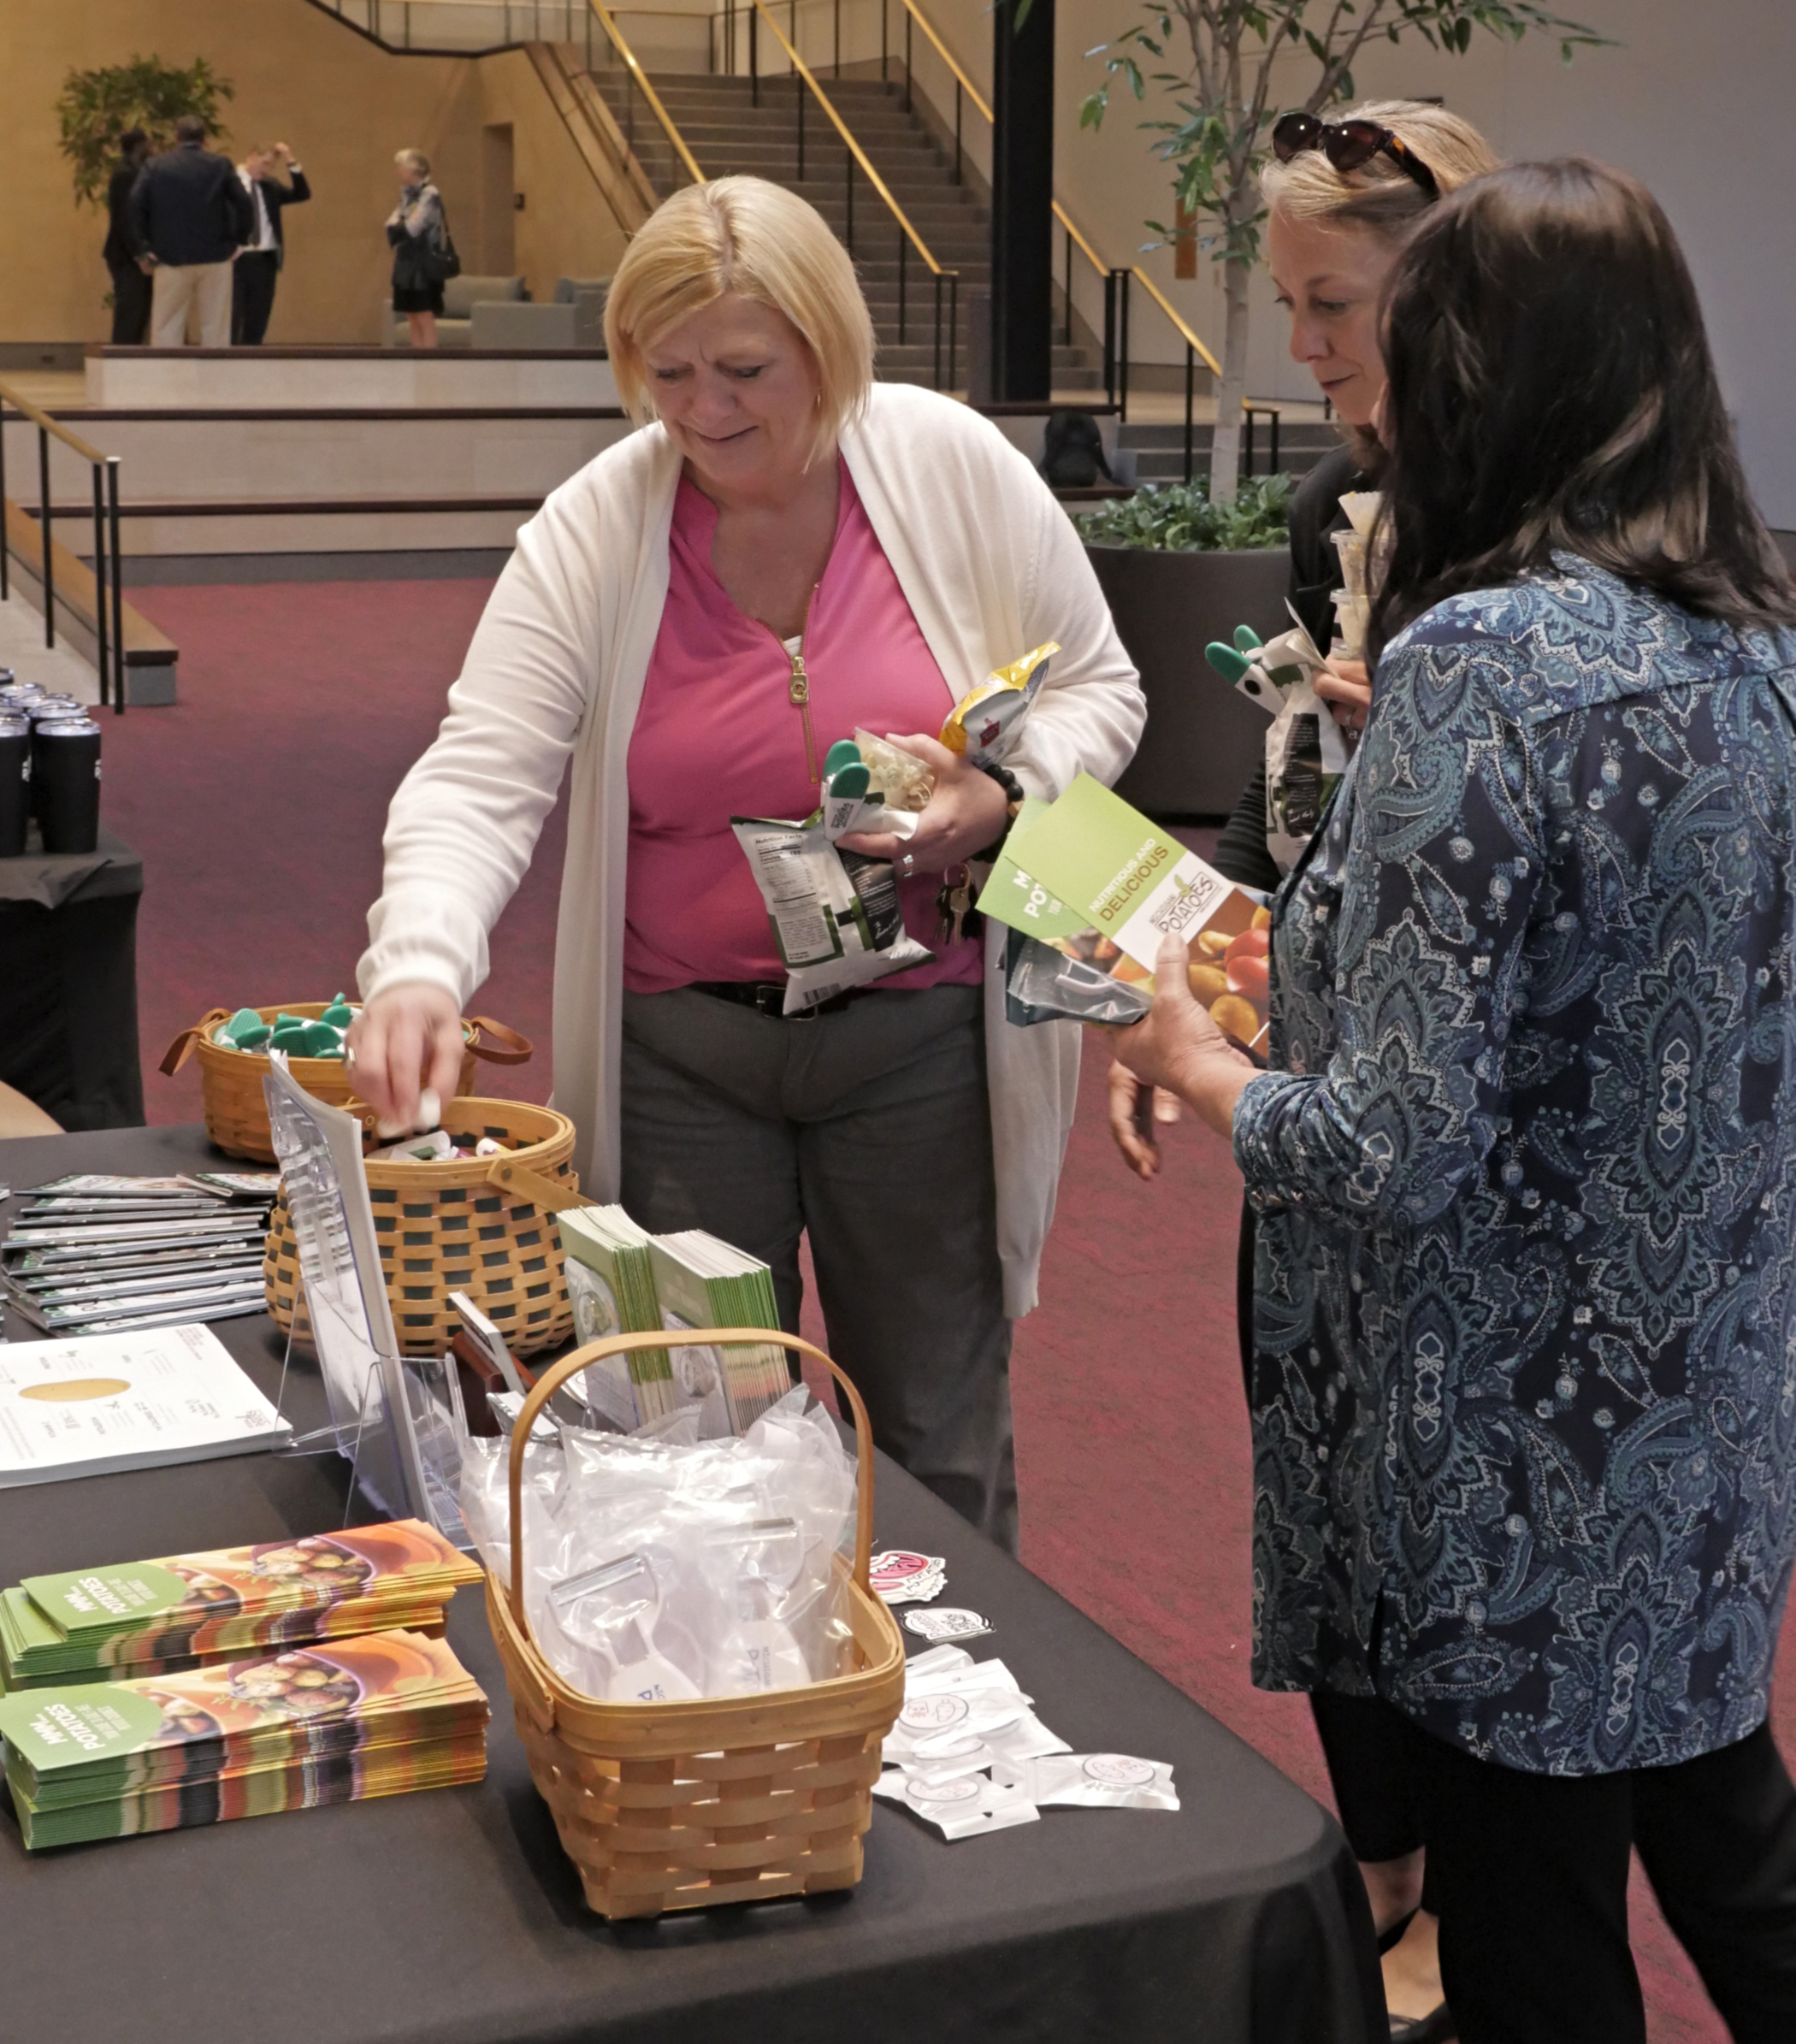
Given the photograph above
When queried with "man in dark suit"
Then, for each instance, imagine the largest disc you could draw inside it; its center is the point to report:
(261, 262)
(190, 211)
(130, 268)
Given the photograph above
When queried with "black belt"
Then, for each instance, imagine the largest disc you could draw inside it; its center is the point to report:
(771, 1000)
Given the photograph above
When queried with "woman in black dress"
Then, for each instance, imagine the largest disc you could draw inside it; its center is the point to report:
(417, 230)
(1342, 198)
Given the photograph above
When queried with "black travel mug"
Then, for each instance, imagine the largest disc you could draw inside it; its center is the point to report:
(15, 784)
(42, 709)
(66, 773)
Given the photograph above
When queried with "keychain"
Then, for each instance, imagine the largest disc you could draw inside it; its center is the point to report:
(954, 905)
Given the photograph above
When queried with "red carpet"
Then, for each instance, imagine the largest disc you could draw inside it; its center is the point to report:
(257, 803)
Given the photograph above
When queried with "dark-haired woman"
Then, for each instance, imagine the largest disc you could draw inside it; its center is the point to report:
(1525, 1166)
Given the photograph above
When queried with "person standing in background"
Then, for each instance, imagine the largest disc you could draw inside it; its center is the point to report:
(130, 267)
(190, 213)
(417, 230)
(252, 280)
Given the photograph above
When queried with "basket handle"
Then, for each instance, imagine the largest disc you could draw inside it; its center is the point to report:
(551, 1195)
(556, 1375)
(181, 1048)
(509, 1049)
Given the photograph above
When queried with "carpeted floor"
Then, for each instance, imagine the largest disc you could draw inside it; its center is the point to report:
(258, 802)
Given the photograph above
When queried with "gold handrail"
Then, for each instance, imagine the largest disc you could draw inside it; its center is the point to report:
(1184, 332)
(649, 93)
(854, 149)
(942, 50)
(10, 396)
(1084, 247)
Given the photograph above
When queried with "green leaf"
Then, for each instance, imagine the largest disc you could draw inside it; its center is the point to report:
(94, 107)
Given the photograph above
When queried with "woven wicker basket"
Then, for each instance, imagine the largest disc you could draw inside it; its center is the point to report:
(665, 1806)
(230, 1080)
(481, 1226)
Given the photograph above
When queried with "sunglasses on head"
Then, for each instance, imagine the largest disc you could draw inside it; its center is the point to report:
(1349, 145)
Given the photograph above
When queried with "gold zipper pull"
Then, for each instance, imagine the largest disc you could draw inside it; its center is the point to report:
(799, 689)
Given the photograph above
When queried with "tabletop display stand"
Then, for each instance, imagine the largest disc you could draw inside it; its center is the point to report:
(399, 1421)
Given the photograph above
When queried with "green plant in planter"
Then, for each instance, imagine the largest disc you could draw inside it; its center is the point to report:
(1182, 517)
(95, 107)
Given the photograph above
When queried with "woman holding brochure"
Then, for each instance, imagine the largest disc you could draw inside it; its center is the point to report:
(1342, 198)
(1525, 1163)
(785, 550)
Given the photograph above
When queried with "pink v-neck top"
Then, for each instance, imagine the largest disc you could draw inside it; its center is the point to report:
(717, 736)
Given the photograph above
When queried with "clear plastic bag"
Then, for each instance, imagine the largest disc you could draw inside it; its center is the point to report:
(1042, 983)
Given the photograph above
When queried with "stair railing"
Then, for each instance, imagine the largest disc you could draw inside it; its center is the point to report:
(1193, 348)
(637, 79)
(109, 632)
(908, 238)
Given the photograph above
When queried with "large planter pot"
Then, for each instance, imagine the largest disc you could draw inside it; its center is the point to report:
(1203, 740)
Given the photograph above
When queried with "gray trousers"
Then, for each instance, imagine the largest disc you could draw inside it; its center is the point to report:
(870, 1131)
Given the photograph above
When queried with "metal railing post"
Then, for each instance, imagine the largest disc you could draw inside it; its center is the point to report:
(1110, 336)
(5, 573)
(848, 164)
(118, 586)
(798, 88)
(1069, 288)
(884, 43)
(938, 331)
(99, 579)
(953, 321)
(754, 56)
(907, 60)
(50, 586)
(838, 38)
(1122, 350)
(904, 250)
(1190, 380)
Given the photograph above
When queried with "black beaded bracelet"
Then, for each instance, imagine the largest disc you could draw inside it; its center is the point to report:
(1015, 798)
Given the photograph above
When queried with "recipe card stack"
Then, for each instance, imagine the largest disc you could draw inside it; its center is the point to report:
(702, 1282)
(137, 1619)
(93, 1254)
(338, 1722)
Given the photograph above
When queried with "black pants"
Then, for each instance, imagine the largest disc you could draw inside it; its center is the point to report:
(132, 291)
(252, 298)
(1530, 1872)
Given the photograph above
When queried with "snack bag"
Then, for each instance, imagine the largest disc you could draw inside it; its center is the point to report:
(983, 726)
(1306, 750)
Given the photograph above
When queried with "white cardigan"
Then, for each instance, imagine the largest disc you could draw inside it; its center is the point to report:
(990, 565)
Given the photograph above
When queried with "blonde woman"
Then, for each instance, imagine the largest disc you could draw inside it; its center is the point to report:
(417, 228)
(641, 642)
(1342, 198)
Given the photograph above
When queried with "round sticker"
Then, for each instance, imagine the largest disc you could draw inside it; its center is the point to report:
(933, 1713)
(1119, 1770)
(898, 1568)
(965, 1788)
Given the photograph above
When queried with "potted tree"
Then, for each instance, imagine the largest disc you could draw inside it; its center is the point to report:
(1177, 569)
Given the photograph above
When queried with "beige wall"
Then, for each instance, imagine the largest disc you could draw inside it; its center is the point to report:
(344, 105)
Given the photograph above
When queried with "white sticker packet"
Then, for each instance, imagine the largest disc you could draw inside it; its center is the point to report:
(1095, 1782)
(961, 1806)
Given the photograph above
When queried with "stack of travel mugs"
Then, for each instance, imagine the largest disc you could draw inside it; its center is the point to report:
(50, 769)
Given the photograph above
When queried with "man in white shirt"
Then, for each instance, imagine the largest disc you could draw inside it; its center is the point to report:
(259, 261)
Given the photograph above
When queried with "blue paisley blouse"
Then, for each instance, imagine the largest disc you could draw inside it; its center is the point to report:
(1524, 1375)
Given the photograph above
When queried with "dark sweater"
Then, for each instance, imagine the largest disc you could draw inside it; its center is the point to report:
(190, 206)
(121, 245)
(1315, 574)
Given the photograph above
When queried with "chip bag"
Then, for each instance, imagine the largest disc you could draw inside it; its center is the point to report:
(1306, 750)
(983, 725)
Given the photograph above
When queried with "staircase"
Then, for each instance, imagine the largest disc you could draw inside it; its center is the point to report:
(726, 132)
(1159, 450)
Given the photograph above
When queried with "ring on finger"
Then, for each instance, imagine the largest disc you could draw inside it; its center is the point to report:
(906, 865)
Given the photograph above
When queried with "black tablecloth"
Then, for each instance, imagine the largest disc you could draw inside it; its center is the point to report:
(68, 984)
(452, 1917)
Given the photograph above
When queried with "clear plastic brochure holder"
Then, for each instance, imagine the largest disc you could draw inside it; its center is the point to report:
(399, 1421)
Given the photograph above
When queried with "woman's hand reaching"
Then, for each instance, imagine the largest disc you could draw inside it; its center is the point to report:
(405, 1039)
(965, 814)
(1136, 1110)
